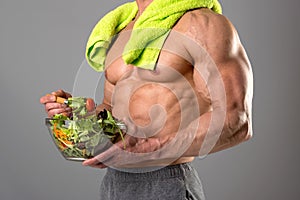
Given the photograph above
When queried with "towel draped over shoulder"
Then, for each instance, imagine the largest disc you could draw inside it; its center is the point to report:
(149, 32)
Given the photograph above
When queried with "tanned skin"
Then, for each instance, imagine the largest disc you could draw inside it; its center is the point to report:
(131, 92)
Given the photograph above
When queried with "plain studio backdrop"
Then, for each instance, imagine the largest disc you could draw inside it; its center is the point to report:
(42, 45)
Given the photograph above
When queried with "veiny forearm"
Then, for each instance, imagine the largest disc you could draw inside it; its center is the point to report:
(214, 134)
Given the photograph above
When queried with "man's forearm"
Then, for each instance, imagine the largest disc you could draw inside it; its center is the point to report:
(211, 135)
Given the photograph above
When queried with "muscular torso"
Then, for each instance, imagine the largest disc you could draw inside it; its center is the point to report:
(159, 102)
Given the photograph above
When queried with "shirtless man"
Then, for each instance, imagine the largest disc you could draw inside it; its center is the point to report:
(173, 105)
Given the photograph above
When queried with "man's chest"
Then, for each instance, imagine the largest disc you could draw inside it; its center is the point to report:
(173, 61)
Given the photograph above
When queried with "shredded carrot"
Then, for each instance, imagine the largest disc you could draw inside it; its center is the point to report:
(62, 138)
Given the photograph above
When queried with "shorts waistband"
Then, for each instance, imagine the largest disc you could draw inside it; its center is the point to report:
(172, 171)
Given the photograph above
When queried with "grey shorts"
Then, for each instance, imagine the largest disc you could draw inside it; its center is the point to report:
(176, 182)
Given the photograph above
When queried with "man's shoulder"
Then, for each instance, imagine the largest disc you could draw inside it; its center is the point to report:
(203, 21)
(213, 31)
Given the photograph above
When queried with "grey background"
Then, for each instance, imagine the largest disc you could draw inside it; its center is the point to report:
(41, 47)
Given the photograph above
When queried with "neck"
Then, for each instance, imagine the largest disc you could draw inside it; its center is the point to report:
(142, 5)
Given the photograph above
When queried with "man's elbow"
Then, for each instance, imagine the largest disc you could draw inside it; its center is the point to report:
(243, 128)
(235, 132)
(245, 133)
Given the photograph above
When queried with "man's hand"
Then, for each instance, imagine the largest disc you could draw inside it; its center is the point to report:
(134, 152)
(52, 107)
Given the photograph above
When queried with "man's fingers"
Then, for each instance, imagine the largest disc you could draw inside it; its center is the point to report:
(93, 162)
(51, 106)
(61, 93)
(90, 162)
(64, 111)
(102, 157)
(52, 97)
(117, 156)
(47, 99)
(99, 165)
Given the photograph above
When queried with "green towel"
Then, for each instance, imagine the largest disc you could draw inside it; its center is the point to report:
(149, 31)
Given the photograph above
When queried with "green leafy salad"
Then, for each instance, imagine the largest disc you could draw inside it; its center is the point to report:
(83, 135)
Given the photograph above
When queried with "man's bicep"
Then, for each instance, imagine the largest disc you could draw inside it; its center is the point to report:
(236, 74)
(217, 54)
(234, 70)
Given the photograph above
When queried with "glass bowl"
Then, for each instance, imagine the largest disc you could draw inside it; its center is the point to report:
(84, 138)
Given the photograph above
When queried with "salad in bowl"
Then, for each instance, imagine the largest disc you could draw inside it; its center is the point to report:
(84, 134)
